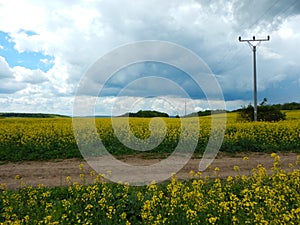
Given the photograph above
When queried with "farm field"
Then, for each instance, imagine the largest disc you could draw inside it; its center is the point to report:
(44, 180)
(43, 139)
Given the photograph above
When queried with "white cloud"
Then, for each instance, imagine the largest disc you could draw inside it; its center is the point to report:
(285, 33)
(18, 78)
(29, 76)
(5, 70)
(268, 53)
(36, 104)
(8, 86)
(116, 106)
(46, 61)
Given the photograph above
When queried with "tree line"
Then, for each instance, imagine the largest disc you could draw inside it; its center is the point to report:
(265, 112)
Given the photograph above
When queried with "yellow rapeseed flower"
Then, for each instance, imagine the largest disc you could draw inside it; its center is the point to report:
(245, 158)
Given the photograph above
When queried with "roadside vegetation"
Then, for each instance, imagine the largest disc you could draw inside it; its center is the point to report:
(260, 198)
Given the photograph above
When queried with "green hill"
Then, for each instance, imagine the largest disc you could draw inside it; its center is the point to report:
(31, 115)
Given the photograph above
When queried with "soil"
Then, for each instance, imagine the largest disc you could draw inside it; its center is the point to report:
(53, 173)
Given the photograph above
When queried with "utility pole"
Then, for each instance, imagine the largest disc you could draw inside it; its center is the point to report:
(253, 43)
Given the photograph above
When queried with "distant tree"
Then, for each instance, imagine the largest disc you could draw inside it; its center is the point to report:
(290, 106)
(206, 112)
(31, 115)
(265, 112)
(148, 113)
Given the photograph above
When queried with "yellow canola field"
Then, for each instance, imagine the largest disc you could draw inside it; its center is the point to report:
(34, 139)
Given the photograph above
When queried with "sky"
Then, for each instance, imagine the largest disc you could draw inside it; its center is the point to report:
(48, 47)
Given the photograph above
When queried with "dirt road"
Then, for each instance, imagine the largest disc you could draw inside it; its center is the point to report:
(54, 173)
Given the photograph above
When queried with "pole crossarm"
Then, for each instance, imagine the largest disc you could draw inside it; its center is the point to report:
(254, 39)
(249, 41)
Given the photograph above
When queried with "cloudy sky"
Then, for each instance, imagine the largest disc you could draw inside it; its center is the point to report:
(47, 47)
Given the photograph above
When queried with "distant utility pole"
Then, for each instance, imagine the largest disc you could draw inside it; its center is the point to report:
(253, 45)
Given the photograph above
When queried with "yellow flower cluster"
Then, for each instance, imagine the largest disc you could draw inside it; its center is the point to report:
(34, 139)
(264, 197)
(263, 136)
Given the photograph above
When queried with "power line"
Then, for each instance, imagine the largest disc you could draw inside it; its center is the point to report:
(231, 53)
(248, 27)
(263, 14)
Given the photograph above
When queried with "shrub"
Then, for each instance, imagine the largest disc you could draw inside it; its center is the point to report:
(268, 113)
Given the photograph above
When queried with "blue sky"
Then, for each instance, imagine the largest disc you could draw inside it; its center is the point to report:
(46, 47)
(30, 60)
